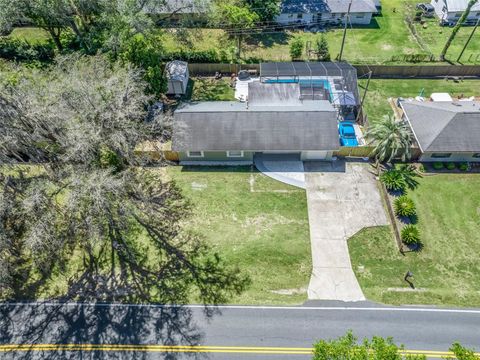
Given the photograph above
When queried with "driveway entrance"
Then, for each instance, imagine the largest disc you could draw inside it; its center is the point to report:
(343, 198)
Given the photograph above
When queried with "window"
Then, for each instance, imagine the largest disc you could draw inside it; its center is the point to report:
(441, 155)
(195, 154)
(359, 17)
(299, 16)
(234, 154)
(477, 155)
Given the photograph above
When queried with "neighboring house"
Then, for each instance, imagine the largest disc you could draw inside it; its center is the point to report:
(177, 75)
(445, 131)
(326, 12)
(293, 108)
(449, 11)
(180, 10)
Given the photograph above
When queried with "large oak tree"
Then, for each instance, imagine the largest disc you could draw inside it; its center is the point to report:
(80, 206)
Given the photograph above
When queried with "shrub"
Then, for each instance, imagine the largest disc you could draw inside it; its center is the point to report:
(422, 168)
(393, 180)
(463, 166)
(450, 166)
(410, 235)
(438, 165)
(296, 48)
(20, 50)
(323, 54)
(409, 173)
(404, 206)
(203, 56)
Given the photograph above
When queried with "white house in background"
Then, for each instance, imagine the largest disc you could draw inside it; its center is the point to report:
(326, 12)
(449, 11)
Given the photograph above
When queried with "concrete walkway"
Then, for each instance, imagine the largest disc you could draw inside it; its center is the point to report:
(343, 198)
(285, 168)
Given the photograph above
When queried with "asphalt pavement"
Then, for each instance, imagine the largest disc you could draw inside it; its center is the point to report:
(88, 331)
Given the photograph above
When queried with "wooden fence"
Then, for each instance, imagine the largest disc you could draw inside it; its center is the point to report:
(357, 151)
(419, 71)
(378, 71)
(366, 151)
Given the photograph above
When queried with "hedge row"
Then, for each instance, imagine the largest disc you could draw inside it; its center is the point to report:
(21, 50)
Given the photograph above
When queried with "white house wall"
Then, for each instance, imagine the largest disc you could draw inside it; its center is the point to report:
(285, 19)
(455, 157)
(447, 16)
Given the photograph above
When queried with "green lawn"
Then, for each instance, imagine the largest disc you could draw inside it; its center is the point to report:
(32, 35)
(209, 89)
(255, 223)
(435, 37)
(447, 270)
(387, 38)
(376, 102)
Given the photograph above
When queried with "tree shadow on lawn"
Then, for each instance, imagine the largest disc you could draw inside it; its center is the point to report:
(219, 169)
(268, 40)
(41, 323)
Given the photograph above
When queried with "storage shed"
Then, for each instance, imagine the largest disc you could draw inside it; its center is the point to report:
(177, 75)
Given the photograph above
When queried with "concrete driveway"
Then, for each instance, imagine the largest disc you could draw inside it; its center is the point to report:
(343, 198)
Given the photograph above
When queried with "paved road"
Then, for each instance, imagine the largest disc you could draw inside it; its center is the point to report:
(343, 198)
(229, 333)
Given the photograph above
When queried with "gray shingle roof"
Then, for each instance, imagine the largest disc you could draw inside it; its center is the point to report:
(222, 126)
(358, 6)
(460, 5)
(445, 126)
(303, 6)
(179, 7)
(327, 6)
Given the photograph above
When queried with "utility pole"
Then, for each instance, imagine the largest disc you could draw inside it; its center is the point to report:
(364, 96)
(468, 40)
(345, 30)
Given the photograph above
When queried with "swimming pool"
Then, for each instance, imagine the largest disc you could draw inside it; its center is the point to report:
(323, 83)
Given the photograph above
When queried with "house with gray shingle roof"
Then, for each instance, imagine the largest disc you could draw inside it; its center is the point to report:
(326, 12)
(180, 10)
(449, 11)
(292, 108)
(234, 131)
(445, 131)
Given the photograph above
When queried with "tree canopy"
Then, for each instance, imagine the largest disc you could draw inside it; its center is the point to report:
(86, 209)
(391, 138)
(347, 347)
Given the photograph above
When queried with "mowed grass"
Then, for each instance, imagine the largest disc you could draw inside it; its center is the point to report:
(435, 37)
(255, 223)
(386, 36)
(446, 271)
(30, 34)
(384, 41)
(376, 102)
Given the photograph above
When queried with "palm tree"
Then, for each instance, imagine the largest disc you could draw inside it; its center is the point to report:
(457, 28)
(391, 139)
